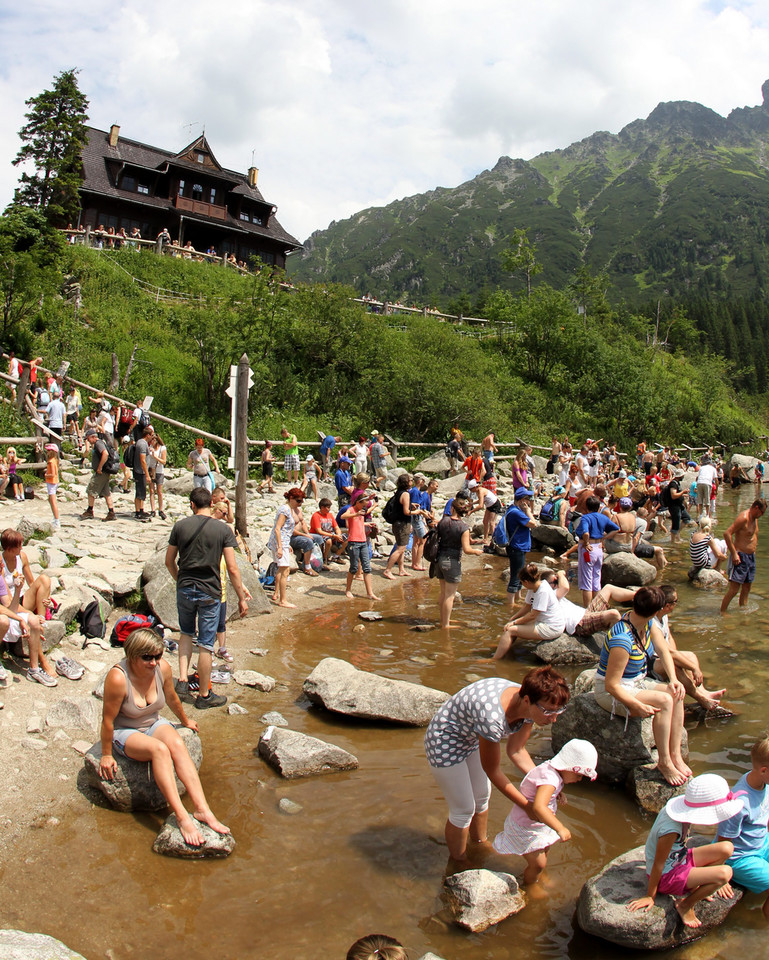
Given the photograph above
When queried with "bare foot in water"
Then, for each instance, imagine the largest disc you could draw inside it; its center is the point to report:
(710, 700)
(210, 820)
(372, 597)
(192, 836)
(672, 774)
(386, 573)
(350, 595)
(688, 917)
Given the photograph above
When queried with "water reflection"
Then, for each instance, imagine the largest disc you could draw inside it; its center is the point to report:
(365, 853)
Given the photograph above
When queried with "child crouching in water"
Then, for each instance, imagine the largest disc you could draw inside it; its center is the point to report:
(531, 839)
(697, 872)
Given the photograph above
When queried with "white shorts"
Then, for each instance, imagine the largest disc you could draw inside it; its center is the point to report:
(14, 630)
(52, 488)
(545, 632)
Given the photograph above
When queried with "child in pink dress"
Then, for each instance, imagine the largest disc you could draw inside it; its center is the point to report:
(531, 839)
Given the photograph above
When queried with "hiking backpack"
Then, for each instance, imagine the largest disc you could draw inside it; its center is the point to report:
(92, 621)
(129, 455)
(391, 511)
(125, 626)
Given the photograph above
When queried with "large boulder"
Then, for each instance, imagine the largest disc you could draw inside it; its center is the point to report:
(451, 485)
(746, 463)
(295, 754)
(602, 909)
(706, 579)
(480, 898)
(338, 686)
(650, 789)
(627, 570)
(20, 945)
(171, 843)
(160, 590)
(566, 649)
(134, 787)
(620, 746)
(551, 535)
(435, 463)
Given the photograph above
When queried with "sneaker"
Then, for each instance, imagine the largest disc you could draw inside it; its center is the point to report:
(5, 677)
(38, 675)
(87, 514)
(220, 676)
(152, 513)
(56, 525)
(182, 688)
(110, 516)
(212, 700)
(142, 518)
(161, 515)
(193, 682)
(69, 669)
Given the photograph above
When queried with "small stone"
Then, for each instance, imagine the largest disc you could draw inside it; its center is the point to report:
(473, 624)
(32, 743)
(422, 628)
(235, 710)
(420, 659)
(359, 628)
(250, 678)
(259, 651)
(61, 735)
(81, 746)
(486, 566)
(288, 806)
(171, 843)
(385, 653)
(478, 899)
(63, 776)
(34, 725)
(370, 615)
(53, 821)
(472, 677)
(274, 718)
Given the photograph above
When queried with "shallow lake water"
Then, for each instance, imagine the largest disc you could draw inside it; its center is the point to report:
(366, 853)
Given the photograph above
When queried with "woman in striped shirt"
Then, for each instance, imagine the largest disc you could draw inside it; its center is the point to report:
(704, 549)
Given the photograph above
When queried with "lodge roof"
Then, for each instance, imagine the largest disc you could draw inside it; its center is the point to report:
(102, 163)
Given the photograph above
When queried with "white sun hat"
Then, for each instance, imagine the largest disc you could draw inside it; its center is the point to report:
(708, 799)
(579, 756)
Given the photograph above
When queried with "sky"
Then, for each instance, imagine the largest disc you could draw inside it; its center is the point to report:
(348, 104)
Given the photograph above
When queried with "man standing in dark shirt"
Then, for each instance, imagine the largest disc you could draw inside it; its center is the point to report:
(195, 549)
(142, 473)
(99, 485)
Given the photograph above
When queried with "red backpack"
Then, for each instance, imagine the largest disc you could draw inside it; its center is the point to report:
(125, 626)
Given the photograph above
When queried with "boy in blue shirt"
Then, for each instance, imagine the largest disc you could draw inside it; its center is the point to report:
(591, 530)
(518, 520)
(748, 829)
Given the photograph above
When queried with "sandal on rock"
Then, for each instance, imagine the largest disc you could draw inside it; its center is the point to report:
(224, 654)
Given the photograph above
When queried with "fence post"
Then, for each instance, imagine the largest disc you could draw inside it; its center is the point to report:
(241, 445)
(21, 388)
(393, 448)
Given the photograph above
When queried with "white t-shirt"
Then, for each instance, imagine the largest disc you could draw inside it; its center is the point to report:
(547, 605)
(56, 413)
(707, 474)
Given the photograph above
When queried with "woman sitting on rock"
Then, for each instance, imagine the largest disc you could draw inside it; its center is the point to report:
(624, 684)
(135, 691)
(463, 739)
(547, 613)
(705, 550)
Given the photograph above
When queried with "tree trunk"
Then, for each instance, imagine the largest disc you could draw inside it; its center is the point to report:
(115, 378)
(129, 368)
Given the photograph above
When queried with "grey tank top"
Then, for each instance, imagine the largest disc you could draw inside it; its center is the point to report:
(135, 717)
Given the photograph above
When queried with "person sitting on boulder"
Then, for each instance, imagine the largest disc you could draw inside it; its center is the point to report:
(693, 873)
(135, 691)
(532, 836)
(746, 828)
(548, 616)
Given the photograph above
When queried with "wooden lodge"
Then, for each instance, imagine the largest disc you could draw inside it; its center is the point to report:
(130, 184)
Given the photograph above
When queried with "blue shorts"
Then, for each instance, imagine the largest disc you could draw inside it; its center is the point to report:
(744, 571)
(752, 871)
(121, 734)
(359, 555)
(196, 607)
(419, 527)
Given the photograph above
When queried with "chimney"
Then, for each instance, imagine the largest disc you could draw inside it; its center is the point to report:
(114, 130)
(253, 173)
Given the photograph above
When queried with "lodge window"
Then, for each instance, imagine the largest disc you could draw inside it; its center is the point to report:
(143, 188)
(201, 157)
(128, 183)
(197, 191)
(181, 188)
(213, 195)
(244, 216)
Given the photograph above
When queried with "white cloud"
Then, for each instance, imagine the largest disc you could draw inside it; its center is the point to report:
(348, 104)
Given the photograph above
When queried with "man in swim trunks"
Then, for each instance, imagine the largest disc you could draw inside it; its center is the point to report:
(741, 542)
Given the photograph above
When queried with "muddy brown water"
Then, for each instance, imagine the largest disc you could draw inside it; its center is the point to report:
(366, 854)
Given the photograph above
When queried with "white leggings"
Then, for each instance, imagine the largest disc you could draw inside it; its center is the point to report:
(466, 788)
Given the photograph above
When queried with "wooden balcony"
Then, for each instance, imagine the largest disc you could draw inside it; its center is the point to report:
(200, 207)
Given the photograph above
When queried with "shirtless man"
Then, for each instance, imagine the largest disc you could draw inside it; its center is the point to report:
(630, 538)
(741, 542)
(488, 448)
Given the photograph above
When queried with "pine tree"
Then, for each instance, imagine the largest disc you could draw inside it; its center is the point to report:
(53, 138)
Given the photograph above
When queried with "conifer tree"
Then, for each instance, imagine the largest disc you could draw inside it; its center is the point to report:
(53, 139)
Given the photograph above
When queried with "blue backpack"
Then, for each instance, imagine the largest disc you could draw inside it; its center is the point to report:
(500, 533)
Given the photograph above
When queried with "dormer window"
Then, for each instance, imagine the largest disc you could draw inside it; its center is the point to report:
(201, 158)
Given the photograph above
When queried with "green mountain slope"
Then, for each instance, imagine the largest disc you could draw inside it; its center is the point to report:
(676, 204)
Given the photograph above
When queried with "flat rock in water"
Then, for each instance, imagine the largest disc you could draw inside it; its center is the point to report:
(289, 806)
(370, 615)
(295, 754)
(602, 909)
(235, 710)
(20, 945)
(338, 686)
(480, 898)
(650, 788)
(134, 787)
(171, 843)
(620, 747)
(250, 678)
(422, 627)
(568, 649)
(627, 570)
(706, 579)
(74, 714)
(275, 718)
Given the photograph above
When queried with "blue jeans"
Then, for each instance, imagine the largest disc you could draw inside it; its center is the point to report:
(193, 605)
(517, 560)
